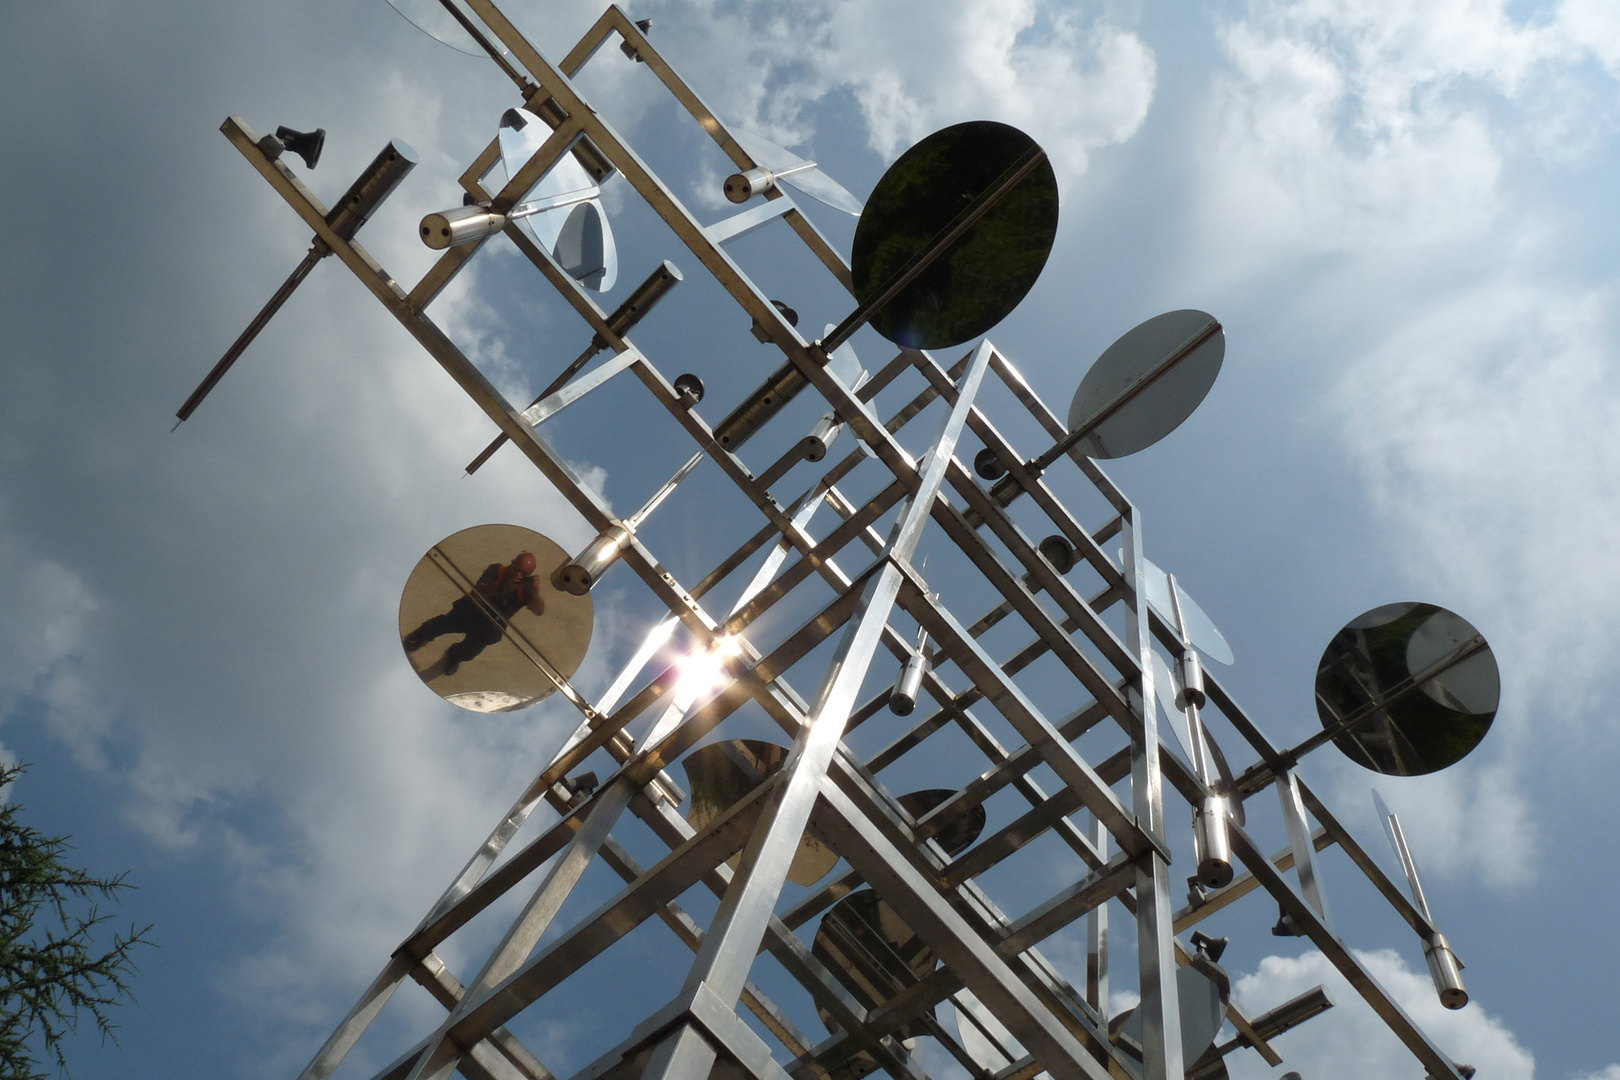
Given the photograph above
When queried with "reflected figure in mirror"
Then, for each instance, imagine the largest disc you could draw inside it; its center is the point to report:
(481, 617)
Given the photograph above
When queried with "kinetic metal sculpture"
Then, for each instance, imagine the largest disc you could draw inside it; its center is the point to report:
(896, 921)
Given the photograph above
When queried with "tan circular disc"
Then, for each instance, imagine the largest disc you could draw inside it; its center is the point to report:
(721, 774)
(485, 630)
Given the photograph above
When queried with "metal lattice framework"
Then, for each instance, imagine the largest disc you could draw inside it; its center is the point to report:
(880, 600)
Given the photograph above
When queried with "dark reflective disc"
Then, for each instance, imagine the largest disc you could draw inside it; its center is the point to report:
(978, 282)
(721, 773)
(1420, 683)
(1203, 1005)
(1130, 400)
(480, 620)
(959, 835)
(873, 952)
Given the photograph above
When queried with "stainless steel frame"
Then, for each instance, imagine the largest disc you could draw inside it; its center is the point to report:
(1090, 628)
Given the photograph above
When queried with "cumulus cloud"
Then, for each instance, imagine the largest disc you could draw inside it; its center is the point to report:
(1611, 1073)
(206, 620)
(1483, 430)
(1348, 125)
(1410, 148)
(1350, 1042)
(1075, 81)
(1483, 424)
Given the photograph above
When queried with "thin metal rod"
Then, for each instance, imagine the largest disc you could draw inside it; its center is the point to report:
(1299, 840)
(556, 384)
(664, 492)
(485, 44)
(317, 252)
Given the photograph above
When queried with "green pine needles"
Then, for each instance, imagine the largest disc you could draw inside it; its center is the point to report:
(55, 967)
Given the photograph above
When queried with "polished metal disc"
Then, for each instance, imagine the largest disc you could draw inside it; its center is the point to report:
(720, 774)
(430, 17)
(874, 953)
(1417, 685)
(576, 232)
(1203, 1004)
(983, 276)
(483, 626)
(1145, 384)
(985, 1038)
(1200, 628)
(960, 834)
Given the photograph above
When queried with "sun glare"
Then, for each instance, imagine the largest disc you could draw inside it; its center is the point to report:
(704, 671)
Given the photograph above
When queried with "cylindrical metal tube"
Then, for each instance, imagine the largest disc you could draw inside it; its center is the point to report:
(1191, 690)
(374, 185)
(1445, 970)
(903, 699)
(1212, 844)
(578, 577)
(740, 187)
(814, 446)
(646, 296)
(754, 411)
(1292, 1013)
(462, 225)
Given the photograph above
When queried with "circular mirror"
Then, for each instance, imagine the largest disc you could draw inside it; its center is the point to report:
(721, 773)
(1203, 1004)
(1145, 384)
(1410, 689)
(875, 954)
(979, 280)
(1201, 631)
(432, 19)
(955, 837)
(481, 622)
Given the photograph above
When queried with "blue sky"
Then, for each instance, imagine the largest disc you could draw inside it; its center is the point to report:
(1402, 214)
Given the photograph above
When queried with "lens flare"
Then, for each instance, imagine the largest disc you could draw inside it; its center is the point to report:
(704, 671)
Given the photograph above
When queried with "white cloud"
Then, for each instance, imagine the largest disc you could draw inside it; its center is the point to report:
(1075, 83)
(1422, 151)
(1350, 1042)
(1611, 1073)
(1354, 125)
(1485, 432)
(42, 649)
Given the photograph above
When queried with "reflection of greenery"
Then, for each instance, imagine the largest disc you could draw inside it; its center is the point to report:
(887, 955)
(984, 276)
(1420, 735)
